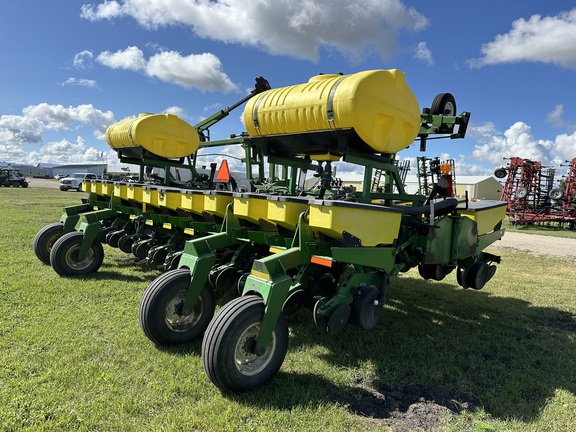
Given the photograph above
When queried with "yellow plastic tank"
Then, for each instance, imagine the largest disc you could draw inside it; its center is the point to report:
(377, 104)
(163, 135)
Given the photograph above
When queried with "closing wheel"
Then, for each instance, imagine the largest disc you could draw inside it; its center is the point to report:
(444, 104)
(45, 239)
(228, 348)
(366, 310)
(161, 313)
(64, 255)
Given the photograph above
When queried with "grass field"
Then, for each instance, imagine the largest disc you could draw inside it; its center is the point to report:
(73, 357)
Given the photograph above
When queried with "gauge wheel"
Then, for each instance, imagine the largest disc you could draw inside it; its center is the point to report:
(229, 344)
(64, 255)
(444, 104)
(366, 310)
(161, 313)
(45, 239)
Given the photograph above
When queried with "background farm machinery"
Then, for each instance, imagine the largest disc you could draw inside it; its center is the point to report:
(273, 241)
(532, 197)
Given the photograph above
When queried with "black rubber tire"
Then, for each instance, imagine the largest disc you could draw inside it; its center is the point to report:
(521, 193)
(444, 104)
(113, 237)
(500, 173)
(125, 243)
(103, 233)
(365, 314)
(64, 255)
(226, 355)
(159, 316)
(140, 249)
(45, 239)
(477, 275)
(556, 194)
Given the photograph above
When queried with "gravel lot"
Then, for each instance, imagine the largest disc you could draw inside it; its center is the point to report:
(43, 183)
(513, 241)
(538, 245)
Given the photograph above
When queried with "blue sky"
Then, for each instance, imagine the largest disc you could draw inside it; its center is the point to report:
(71, 68)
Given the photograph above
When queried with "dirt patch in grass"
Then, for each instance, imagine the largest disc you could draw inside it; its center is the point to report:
(406, 407)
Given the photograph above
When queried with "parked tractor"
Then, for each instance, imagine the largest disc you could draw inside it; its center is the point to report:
(12, 177)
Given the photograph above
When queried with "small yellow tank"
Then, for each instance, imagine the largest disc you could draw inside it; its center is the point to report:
(377, 104)
(164, 135)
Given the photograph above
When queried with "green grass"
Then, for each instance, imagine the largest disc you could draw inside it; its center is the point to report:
(542, 229)
(73, 357)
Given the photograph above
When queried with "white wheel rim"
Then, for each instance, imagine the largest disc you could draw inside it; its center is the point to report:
(179, 322)
(72, 261)
(247, 362)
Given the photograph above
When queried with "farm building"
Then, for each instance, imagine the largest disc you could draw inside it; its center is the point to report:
(478, 187)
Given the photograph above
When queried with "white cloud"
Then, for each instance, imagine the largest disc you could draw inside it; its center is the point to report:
(200, 71)
(296, 28)
(132, 58)
(107, 10)
(63, 152)
(518, 141)
(80, 82)
(422, 52)
(556, 118)
(12, 153)
(83, 59)
(35, 119)
(548, 39)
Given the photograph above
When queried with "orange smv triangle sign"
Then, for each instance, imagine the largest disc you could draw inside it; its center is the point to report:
(223, 175)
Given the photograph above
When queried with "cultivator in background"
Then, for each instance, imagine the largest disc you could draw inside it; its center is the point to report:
(434, 173)
(531, 196)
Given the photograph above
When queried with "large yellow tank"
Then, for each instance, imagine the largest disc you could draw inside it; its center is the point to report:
(164, 135)
(378, 104)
